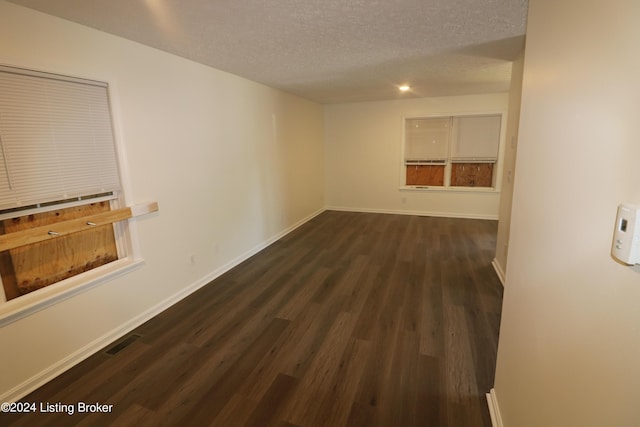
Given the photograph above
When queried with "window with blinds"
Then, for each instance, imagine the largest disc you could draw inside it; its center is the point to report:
(455, 151)
(476, 139)
(427, 140)
(426, 150)
(56, 139)
(58, 163)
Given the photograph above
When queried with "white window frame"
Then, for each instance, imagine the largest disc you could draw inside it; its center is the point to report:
(125, 232)
(497, 170)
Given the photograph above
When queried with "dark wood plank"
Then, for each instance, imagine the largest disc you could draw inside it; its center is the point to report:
(316, 383)
(352, 319)
(269, 411)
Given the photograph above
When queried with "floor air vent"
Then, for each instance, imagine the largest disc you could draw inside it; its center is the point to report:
(121, 345)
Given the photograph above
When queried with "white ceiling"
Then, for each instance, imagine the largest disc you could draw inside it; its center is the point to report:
(326, 50)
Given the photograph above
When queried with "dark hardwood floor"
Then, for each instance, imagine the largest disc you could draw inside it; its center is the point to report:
(353, 319)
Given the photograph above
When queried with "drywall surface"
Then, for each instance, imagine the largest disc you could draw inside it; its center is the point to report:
(509, 164)
(364, 157)
(570, 335)
(232, 164)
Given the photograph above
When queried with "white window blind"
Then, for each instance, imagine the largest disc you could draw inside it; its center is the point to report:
(56, 139)
(427, 139)
(476, 139)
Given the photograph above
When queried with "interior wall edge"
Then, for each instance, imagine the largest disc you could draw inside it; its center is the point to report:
(499, 270)
(494, 409)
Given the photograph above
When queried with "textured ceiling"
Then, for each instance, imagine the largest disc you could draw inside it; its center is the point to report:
(326, 50)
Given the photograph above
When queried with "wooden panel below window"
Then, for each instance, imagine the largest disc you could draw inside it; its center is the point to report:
(425, 175)
(472, 175)
(28, 268)
(7, 273)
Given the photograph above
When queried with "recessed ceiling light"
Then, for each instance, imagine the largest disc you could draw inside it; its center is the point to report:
(404, 88)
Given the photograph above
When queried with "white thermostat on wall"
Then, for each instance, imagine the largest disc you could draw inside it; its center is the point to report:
(626, 239)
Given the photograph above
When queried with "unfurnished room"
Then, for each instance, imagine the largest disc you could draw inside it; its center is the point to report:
(319, 213)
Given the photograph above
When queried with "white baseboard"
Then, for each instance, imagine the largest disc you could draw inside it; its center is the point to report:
(494, 410)
(78, 356)
(499, 271)
(417, 213)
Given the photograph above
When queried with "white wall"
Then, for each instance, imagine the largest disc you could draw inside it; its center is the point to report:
(509, 164)
(363, 146)
(569, 351)
(232, 164)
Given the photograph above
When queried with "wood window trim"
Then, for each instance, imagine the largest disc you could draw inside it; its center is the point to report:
(54, 231)
(27, 268)
(31, 302)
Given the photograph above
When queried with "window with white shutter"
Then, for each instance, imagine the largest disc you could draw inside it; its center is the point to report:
(476, 139)
(56, 139)
(58, 164)
(455, 151)
(427, 140)
(426, 150)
